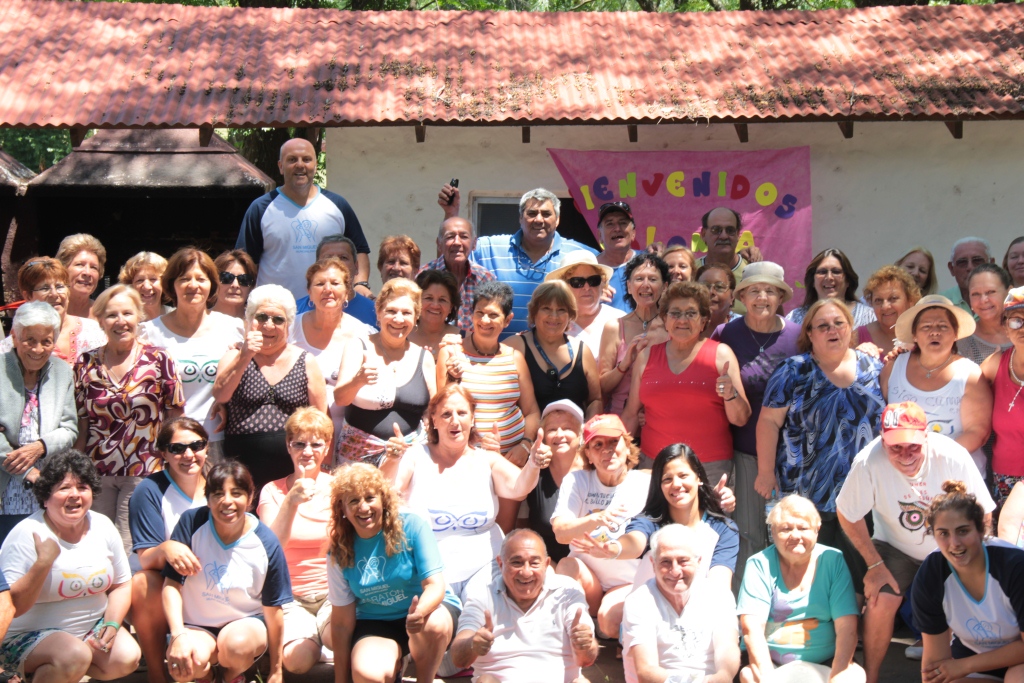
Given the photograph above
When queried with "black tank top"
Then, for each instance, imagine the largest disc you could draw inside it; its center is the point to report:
(411, 401)
(259, 407)
(549, 389)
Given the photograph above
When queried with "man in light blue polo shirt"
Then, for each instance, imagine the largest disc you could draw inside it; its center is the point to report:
(523, 260)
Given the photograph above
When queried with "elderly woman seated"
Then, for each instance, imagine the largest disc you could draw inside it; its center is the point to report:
(797, 608)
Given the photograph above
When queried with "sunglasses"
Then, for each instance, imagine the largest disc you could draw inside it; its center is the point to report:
(180, 448)
(1015, 323)
(615, 205)
(243, 279)
(301, 445)
(263, 318)
(579, 282)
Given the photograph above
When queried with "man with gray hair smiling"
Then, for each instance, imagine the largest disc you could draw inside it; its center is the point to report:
(524, 259)
(967, 254)
(523, 622)
(673, 629)
(456, 240)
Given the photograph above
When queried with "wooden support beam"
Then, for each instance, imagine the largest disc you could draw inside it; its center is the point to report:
(526, 135)
(421, 132)
(741, 131)
(847, 128)
(631, 127)
(205, 135)
(78, 135)
(956, 129)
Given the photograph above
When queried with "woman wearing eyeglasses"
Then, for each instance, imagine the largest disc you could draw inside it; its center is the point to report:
(153, 511)
(834, 278)
(263, 382)
(689, 388)
(194, 336)
(124, 391)
(721, 284)
(1005, 370)
(297, 509)
(45, 279)
(237, 278)
(819, 410)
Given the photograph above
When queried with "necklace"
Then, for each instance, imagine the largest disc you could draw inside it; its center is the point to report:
(928, 373)
(1013, 375)
(645, 322)
(389, 362)
(480, 352)
(553, 372)
(769, 341)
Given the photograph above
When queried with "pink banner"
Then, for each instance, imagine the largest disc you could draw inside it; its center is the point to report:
(670, 191)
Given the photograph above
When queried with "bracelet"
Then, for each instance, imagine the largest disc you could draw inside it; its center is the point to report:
(616, 556)
(876, 564)
(735, 395)
(528, 441)
(362, 283)
(620, 369)
(115, 625)
(175, 637)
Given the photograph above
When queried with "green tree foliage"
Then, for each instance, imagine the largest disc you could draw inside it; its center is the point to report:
(35, 147)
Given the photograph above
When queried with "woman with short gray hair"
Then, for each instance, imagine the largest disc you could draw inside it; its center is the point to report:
(37, 408)
(263, 382)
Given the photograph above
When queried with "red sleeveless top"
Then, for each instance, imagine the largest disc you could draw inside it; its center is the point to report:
(1007, 423)
(684, 408)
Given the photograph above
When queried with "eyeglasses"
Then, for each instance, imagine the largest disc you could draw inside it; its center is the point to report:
(302, 445)
(729, 230)
(719, 287)
(244, 280)
(615, 205)
(689, 315)
(838, 326)
(770, 292)
(973, 262)
(825, 272)
(46, 289)
(579, 282)
(263, 318)
(1015, 323)
(180, 448)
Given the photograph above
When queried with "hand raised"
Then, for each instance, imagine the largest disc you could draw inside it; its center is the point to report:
(483, 639)
(540, 453)
(580, 635)
(48, 550)
(723, 385)
(253, 342)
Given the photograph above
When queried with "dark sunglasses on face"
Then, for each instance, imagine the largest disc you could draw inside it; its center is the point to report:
(180, 448)
(244, 280)
(579, 282)
(262, 319)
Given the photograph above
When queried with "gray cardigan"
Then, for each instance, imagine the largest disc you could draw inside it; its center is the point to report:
(58, 416)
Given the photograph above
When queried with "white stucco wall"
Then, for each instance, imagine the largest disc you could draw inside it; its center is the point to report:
(891, 186)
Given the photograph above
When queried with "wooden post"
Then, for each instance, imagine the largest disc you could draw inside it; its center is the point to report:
(741, 132)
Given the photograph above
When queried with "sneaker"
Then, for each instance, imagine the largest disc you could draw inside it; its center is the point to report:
(915, 651)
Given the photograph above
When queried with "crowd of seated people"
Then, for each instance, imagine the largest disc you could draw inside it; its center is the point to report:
(509, 457)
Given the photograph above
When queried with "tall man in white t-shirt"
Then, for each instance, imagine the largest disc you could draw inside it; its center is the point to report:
(895, 478)
(524, 623)
(282, 228)
(674, 629)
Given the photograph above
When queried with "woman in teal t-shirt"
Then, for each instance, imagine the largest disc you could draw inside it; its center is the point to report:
(384, 581)
(796, 606)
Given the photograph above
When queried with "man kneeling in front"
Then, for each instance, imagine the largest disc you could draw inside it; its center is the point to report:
(676, 631)
(524, 623)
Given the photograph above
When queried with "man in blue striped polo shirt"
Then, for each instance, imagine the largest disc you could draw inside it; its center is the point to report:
(523, 260)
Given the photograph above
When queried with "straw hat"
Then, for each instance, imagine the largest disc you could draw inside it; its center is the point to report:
(905, 323)
(580, 257)
(766, 273)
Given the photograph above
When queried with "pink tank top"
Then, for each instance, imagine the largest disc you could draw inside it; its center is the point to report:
(1007, 423)
(684, 408)
(617, 399)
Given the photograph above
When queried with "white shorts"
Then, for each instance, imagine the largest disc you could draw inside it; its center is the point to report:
(306, 619)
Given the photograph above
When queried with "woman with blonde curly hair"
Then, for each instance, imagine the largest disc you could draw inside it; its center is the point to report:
(890, 291)
(143, 272)
(85, 257)
(385, 583)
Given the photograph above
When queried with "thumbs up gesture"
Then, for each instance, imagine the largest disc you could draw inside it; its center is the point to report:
(484, 637)
(490, 439)
(726, 497)
(414, 621)
(253, 342)
(581, 635)
(723, 385)
(540, 453)
(396, 446)
(368, 370)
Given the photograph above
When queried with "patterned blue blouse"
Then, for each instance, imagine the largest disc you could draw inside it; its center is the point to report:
(826, 426)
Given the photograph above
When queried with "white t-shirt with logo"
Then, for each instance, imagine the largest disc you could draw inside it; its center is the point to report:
(196, 360)
(898, 503)
(74, 594)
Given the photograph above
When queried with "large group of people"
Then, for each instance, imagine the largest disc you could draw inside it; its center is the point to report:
(253, 461)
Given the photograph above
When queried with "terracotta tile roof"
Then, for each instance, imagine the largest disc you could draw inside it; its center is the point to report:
(106, 64)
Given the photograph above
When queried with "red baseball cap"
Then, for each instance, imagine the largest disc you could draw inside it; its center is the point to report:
(603, 425)
(904, 423)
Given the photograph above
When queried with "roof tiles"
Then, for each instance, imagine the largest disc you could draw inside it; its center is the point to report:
(103, 64)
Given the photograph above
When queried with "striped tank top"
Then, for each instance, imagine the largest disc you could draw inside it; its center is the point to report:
(493, 381)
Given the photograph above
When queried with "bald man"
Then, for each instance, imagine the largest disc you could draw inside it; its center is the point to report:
(282, 228)
(456, 240)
